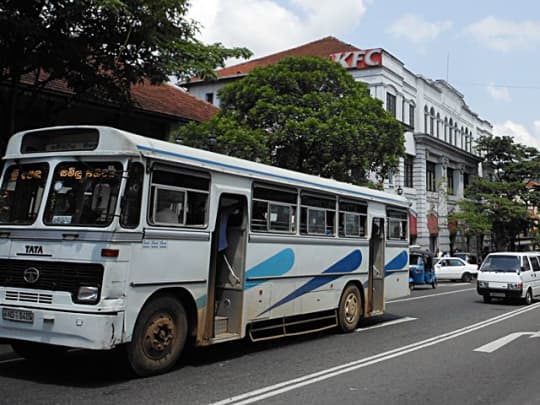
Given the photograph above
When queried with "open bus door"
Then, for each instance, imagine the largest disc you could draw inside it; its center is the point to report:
(227, 268)
(376, 267)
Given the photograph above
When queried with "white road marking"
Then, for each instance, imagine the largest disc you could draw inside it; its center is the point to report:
(383, 324)
(429, 296)
(11, 360)
(497, 344)
(276, 389)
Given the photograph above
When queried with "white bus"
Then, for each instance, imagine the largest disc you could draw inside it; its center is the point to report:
(109, 238)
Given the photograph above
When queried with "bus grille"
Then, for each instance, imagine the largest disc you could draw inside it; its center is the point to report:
(53, 276)
(29, 297)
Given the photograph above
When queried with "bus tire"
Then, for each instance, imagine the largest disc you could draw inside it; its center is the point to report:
(158, 338)
(38, 352)
(350, 308)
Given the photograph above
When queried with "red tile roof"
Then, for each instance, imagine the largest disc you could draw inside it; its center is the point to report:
(171, 100)
(160, 99)
(322, 48)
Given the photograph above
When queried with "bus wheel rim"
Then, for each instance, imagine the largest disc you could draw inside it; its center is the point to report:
(159, 337)
(351, 307)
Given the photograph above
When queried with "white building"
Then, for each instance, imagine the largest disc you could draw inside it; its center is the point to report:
(440, 131)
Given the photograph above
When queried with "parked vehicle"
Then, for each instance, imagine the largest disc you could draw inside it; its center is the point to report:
(470, 258)
(510, 275)
(454, 268)
(421, 268)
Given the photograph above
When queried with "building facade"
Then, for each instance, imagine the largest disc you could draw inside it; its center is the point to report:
(440, 132)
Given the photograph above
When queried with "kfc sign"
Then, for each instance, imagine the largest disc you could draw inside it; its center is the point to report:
(358, 59)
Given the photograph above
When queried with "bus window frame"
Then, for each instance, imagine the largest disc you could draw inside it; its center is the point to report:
(326, 209)
(403, 223)
(290, 222)
(177, 170)
(362, 228)
(293, 208)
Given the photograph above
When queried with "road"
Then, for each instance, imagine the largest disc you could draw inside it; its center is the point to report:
(439, 346)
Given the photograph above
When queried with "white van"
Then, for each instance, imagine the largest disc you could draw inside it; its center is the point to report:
(510, 275)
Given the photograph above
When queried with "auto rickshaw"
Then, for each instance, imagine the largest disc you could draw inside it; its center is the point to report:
(421, 271)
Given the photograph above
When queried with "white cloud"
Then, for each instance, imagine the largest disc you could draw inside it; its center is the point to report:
(504, 35)
(519, 132)
(267, 26)
(498, 92)
(417, 30)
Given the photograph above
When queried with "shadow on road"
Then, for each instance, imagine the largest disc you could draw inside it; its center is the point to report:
(97, 369)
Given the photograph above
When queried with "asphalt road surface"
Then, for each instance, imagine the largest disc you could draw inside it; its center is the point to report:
(439, 346)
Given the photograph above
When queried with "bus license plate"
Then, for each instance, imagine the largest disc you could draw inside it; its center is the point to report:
(17, 315)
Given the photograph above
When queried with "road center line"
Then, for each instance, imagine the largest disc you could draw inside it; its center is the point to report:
(276, 389)
(429, 296)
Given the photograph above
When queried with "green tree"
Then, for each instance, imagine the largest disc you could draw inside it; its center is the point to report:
(308, 114)
(99, 47)
(501, 206)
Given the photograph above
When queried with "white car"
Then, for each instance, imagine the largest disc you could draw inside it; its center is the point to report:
(454, 268)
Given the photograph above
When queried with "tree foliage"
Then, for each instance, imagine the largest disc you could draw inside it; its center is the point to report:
(501, 205)
(101, 47)
(310, 115)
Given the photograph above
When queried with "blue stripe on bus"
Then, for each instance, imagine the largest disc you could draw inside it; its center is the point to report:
(397, 263)
(276, 265)
(260, 172)
(346, 265)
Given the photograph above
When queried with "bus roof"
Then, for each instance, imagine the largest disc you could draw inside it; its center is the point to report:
(115, 142)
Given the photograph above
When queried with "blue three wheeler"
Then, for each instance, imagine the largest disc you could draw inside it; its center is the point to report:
(421, 270)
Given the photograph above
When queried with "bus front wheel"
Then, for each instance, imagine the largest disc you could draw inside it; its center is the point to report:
(350, 309)
(158, 338)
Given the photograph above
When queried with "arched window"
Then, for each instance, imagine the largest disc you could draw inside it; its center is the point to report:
(426, 113)
(451, 131)
(456, 133)
(446, 129)
(438, 125)
(431, 121)
(462, 138)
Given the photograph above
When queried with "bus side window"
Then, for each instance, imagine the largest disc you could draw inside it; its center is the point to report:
(397, 224)
(131, 208)
(179, 197)
(273, 209)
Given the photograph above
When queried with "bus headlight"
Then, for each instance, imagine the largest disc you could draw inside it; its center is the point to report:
(87, 295)
(483, 284)
(515, 286)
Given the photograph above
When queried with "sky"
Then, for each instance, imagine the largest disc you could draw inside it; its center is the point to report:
(489, 50)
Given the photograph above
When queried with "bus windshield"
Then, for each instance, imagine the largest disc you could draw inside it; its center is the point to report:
(22, 192)
(83, 194)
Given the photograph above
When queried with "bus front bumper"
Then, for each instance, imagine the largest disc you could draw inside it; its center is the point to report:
(70, 329)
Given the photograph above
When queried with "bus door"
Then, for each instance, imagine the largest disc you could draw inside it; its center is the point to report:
(227, 267)
(376, 267)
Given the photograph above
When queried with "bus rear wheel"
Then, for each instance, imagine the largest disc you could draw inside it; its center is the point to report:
(350, 309)
(158, 338)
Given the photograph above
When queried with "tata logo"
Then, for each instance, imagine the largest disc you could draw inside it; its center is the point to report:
(34, 250)
(31, 275)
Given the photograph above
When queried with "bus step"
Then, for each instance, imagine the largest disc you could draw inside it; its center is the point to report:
(221, 325)
(225, 337)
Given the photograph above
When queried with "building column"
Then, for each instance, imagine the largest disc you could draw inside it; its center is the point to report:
(441, 172)
(419, 184)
